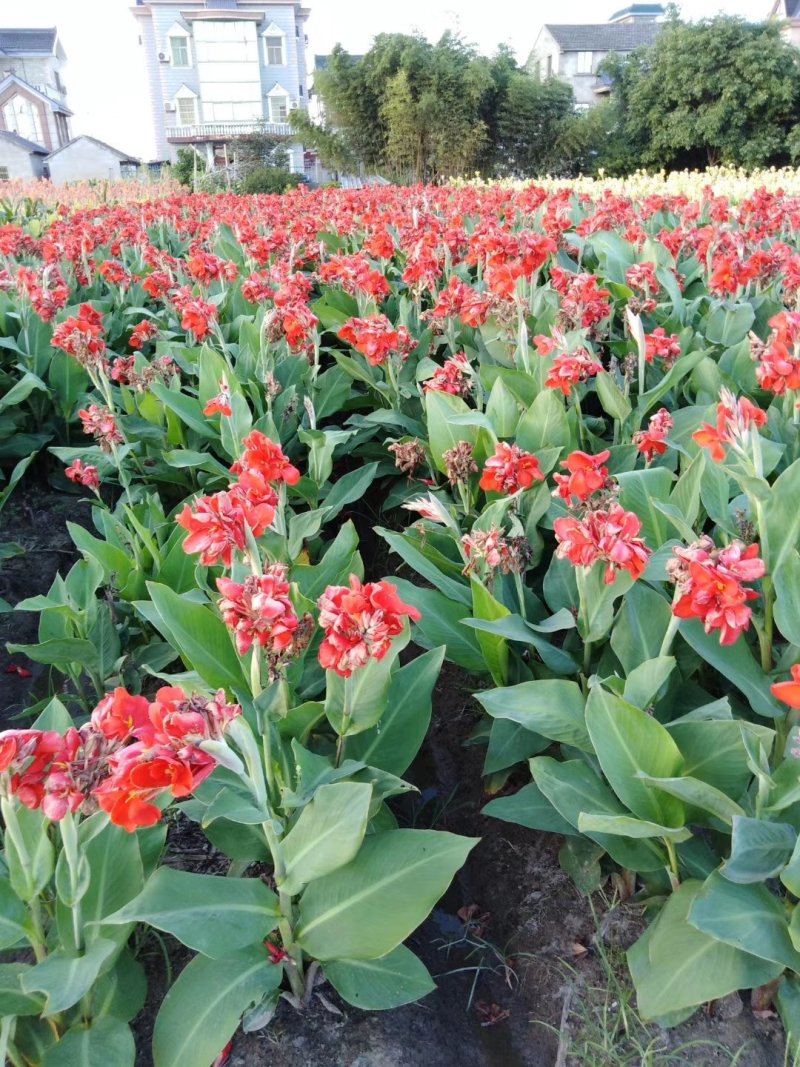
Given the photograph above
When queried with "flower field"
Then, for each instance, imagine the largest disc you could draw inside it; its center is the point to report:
(547, 437)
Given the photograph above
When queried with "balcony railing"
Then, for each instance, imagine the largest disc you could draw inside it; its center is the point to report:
(223, 131)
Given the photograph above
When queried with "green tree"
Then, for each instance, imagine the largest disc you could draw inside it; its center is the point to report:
(718, 91)
(533, 122)
(189, 164)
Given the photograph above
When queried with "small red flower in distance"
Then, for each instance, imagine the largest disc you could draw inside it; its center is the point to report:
(266, 457)
(221, 403)
(81, 475)
(789, 692)
(259, 609)
(652, 441)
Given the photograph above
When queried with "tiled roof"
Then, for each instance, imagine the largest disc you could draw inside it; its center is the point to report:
(604, 36)
(792, 9)
(21, 142)
(637, 10)
(85, 137)
(27, 42)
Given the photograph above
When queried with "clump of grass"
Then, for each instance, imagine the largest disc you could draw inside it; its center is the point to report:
(600, 1026)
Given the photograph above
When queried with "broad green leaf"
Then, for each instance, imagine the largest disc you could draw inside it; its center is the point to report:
(627, 741)
(13, 1000)
(393, 743)
(220, 917)
(640, 626)
(13, 916)
(639, 491)
(187, 408)
(201, 637)
(29, 853)
(108, 1042)
(728, 324)
(509, 743)
(376, 985)
(60, 652)
(529, 807)
(748, 917)
(612, 399)
(441, 624)
(65, 978)
(759, 849)
(515, 628)
(782, 518)
(442, 435)
(357, 703)
(697, 794)
(714, 752)
(787, 1001)
(21, 390)
(494, 647)
(502, 409)
(551, 707)
(327, 834)
(790, 875)
(787, 603)
(626, 826)
(644, 682)
(122, 991)
(572, 787)
(735, 663)
(203, 1007)
(675, 966)
(365, 909)
(451, 588)
(544, 424)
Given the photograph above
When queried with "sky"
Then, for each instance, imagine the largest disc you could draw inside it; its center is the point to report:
(105, 74)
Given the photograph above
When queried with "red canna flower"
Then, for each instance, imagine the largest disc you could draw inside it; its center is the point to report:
(376, 338)
(607, 535)
(196, 315)
(586, 476)
(359, 623)
(658, 345)
(454, 377)
(221, 403)
(21, 672)
(265, 457)
(572, 368)
(82, 337)
(218, 524)
(778, 367)
(710, 583)
(101, 423)
(736, 419)
(510, 469)
(259, 610)
(119, 714)
(83, 475)
(652, 441)
(144, 331)
(787, 692)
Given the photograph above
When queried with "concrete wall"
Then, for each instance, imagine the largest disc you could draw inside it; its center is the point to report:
(83, 159)
(20, 162)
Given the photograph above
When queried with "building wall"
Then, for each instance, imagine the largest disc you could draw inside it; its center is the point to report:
(20, 162)
(565, 66)
(83, 159)
(43, 72)
(166, 81)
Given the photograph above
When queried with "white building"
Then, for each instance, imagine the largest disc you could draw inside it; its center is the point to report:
(86, 157)
(221, 68)
(573, 52)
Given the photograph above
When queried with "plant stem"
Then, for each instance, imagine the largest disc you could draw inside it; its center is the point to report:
(341, 741)
(669, 636)
(674, 872)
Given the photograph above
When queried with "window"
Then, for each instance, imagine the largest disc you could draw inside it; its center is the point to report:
(584, 62)
(4, 177)
(274, 51)
(278, 108)
(549, 67)
(179, 46)
(22, 117)
(187, 111)
(228, 66)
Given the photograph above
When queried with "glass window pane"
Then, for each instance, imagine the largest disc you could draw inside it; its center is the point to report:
(186, 111)
(180, 51)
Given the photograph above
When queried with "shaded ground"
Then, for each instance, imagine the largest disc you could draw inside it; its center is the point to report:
(515, 986)
(36, 519)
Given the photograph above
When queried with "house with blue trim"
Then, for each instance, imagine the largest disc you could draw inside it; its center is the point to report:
(217, 69)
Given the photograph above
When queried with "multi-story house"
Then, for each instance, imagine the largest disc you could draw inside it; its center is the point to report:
(34, 117)
(221, 68)
(574, 52)
(789, 12)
